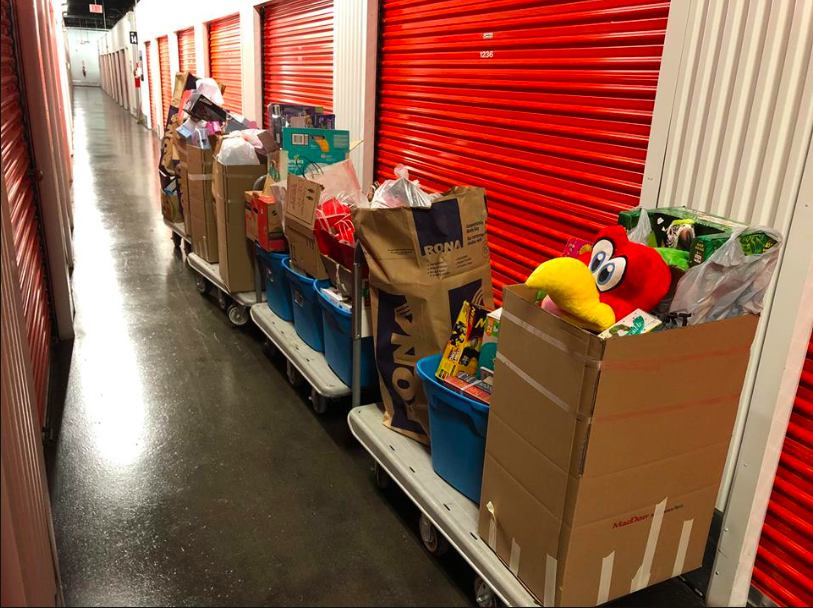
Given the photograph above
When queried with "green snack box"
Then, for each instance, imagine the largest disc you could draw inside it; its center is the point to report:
(710, 231)
(307, 147)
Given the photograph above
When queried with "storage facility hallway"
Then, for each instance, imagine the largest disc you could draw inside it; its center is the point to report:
(187, 471)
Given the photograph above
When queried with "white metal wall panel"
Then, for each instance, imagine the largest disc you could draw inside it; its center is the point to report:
(740, 123)
(355, 39)
(742, 115)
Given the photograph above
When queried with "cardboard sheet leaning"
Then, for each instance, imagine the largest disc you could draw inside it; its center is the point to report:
(424, 263)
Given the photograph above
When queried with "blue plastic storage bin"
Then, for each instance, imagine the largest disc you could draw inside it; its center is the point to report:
(458, 427)
(307, 313)
(338, 326)
(277, 288)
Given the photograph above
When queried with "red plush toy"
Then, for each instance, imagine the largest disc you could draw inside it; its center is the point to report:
(605, 284)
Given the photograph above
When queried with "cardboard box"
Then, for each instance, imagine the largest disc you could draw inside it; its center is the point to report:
(301, 202)
(235, 252)
(183, 183)
(305, 147)
(263, 223)
(604, 457)
(201, 203)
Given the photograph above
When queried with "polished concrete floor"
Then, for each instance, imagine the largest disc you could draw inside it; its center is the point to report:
(184, 469)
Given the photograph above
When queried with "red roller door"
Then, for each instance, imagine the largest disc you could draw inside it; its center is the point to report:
(186, 50)
(18, 170)
(784, 566)
(225, 60)
(154, 114)
(166, 77)
(547, 106)
(298, 52)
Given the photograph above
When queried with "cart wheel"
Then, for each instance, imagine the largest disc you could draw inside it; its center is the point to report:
(238, 315)
(223, 300)
(176, 240)
(294, 377)
(187, 247)
(382, 478)
(319, 402)
(434, 542)
(484, 595)
(203, 285)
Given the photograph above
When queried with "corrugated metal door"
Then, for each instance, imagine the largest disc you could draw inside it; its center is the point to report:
(784, 566)
(125, 94)
(166, 77)
(548, 107)
(225, 60)
(297, 43)
(186, 50)
(18, 174)
(150, 85)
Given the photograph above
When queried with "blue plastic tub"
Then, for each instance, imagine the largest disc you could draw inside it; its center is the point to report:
(338, 325)
(458, 427)
(277, 288)
(307, 313)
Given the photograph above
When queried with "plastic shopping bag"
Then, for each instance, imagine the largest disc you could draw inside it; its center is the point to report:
(640, 234)
(401, 192)
(728, 284)
(237, 151)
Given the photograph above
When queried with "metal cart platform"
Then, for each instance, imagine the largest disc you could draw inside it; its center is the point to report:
(445, 511)
(179, 235)
(235, 305)
(304, 364)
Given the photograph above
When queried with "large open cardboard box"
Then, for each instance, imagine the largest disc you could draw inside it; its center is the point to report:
(301, 202)
(201, 202)
(236, 253)
(604, 457)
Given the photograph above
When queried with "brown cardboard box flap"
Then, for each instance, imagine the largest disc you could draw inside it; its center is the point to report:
(301, 202)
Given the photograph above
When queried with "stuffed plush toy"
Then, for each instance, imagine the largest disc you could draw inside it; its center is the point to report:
(604, 284)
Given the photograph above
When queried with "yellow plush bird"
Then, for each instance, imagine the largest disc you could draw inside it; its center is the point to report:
(569, 283)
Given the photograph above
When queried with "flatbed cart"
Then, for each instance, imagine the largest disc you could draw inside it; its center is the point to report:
(447, 517)
(235, 305)
(303, 363)
(179, 236)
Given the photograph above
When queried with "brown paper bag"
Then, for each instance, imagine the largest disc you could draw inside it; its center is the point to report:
(424, 263)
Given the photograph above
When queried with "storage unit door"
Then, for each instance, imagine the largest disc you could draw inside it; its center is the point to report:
(186, 50)
(547, 105)
(297, 42)
(150, 85)
(784, 565)
(166, 77)
(224, 60)
(18, 175)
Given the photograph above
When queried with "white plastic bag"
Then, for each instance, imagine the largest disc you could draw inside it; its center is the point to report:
(640, 234)
(237, 151)
(401, 192)
(729, 283)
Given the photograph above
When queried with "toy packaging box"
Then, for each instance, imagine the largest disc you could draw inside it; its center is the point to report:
(462, 352)
(470, 386)
(699, 233)
(606, 482)
(308, 147)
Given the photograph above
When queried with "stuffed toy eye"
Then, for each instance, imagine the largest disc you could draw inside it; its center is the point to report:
(602, 251)
(610, 274)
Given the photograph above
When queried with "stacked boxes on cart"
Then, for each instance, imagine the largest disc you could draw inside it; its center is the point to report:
(589, 417)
